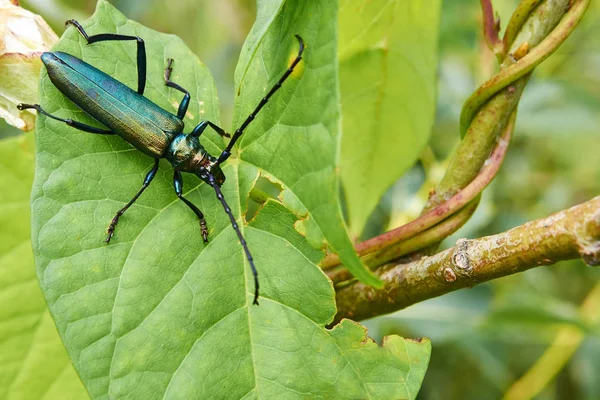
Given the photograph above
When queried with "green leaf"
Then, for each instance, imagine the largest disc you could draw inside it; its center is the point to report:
(388, 64)
(296, 141)
(33, 361)
(158, 313)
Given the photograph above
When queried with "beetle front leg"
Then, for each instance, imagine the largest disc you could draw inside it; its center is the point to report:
(185, 102)
(77, 125)
(218, 129)
(197, 131)
(178, 184)
(113, 224)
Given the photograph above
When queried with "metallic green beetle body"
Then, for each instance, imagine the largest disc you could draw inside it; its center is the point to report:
(145, 125)
(135, 118)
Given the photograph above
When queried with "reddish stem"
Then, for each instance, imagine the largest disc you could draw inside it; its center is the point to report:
(440, 212)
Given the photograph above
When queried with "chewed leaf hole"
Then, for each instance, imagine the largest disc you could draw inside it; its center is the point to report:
(263, 190)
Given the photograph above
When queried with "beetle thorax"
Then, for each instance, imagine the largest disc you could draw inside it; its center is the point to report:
(187, 154)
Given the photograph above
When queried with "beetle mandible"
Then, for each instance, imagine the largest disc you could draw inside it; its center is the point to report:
(149, 128)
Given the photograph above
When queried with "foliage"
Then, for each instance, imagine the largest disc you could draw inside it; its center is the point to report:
(551, 164)
(159, 310)
(34, 362)
(495, 331)
(388, 61)
(23, 36)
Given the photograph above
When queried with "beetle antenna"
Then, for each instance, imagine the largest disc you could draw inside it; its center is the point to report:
(213, 183)
(227, 152)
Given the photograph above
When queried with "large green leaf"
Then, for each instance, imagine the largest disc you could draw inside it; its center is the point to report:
(157, 313)
(388, 64)
(33, 361)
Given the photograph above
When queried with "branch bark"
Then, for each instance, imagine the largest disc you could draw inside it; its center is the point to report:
(568, 234)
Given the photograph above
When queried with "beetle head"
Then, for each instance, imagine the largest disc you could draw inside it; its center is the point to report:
(217, 172)
(211, 167)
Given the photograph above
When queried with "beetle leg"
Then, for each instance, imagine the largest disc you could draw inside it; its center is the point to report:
(227, 152)
(113, 224)
(141, 49)
(178, 184)
(77, 125)
(197, 131)
(185, 102)
(183, 106)
(218, 129)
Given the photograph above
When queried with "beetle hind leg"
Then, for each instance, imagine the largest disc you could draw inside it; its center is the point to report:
(102, 37)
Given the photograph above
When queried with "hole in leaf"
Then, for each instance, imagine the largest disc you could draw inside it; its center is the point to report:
(262, 190)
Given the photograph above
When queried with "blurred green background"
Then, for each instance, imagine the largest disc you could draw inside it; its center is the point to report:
(486, 337)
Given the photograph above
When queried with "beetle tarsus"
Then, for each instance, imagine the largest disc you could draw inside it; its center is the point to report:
(111, 232)
(23, 106)
(78, 27)
(185, 102)
(168, 69)
(113, 226)
(204, 230)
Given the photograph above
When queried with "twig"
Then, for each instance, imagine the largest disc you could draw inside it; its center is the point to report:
(517, 20)
(568, 234)
(543, 40)
(440, 212)
(491, 27)
(488, 112)
(433, 235)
